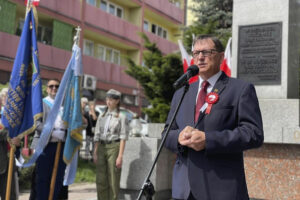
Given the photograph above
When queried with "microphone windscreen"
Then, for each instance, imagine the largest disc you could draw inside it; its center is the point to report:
(194, 70)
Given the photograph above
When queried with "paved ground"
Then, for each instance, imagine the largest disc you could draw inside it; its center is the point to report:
(81, 191)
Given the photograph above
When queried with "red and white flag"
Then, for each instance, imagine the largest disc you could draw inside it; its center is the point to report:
(187, 60)
(34, 2)
(226, 64)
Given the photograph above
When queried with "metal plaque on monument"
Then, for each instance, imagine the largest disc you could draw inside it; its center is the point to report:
(259, 53)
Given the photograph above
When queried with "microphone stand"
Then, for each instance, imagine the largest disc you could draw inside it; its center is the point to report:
(148, 189)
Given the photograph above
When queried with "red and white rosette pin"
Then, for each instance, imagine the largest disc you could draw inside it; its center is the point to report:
(211, 98)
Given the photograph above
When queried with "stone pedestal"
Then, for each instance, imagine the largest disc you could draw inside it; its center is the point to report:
(138, 157)
(266, 40)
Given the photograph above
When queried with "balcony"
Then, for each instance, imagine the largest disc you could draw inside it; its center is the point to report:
(68, 8)
(56, 58)
(9, 44)
(111, 24)
(107, 72)
(167, 8)
(48, 56)
(164, 45)
(53, 57)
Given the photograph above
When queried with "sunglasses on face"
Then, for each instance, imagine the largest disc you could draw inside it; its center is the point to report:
(53, 86)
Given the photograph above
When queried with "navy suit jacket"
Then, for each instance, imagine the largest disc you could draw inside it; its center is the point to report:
(233, 125)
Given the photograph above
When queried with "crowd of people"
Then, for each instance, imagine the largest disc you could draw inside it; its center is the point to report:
(105, 143)
(219, 118)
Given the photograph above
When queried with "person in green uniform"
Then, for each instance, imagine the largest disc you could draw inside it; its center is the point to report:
(111, 132)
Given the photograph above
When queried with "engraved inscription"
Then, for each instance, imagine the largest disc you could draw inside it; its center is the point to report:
(259, 53)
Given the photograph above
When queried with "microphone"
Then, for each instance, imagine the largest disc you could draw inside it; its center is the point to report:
(191, 71)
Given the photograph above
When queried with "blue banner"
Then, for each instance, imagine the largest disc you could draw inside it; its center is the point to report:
(24, 101)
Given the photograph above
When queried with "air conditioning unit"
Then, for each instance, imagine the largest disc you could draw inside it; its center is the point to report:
(89, 82)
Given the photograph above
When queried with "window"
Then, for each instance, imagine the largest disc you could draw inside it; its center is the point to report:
(88, 48)
(111, 8)
(44, 33)
(20, 27)
(165, 34)
(146, 25)
(158, 30)
(108, 55)
(153, 28)
(116, 57)
(119, 12)
(103, 5)
(91, 2)
(100, 52)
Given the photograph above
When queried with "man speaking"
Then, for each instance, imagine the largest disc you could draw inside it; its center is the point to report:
(219, 118)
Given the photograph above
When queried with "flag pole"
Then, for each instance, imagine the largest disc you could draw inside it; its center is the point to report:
(10, 170)
(54, 172)
(26, 150)
(58, 149)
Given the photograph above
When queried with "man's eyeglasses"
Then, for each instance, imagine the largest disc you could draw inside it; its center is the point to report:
(53, 86)
(205, 53)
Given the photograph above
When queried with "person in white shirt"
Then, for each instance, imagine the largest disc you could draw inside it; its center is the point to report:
(45, 162)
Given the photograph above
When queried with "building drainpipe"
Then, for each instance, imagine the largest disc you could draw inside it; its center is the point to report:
(82, 12)
(185, 12)
(141, 59)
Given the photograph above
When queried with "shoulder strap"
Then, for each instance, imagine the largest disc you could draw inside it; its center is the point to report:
(46, 101)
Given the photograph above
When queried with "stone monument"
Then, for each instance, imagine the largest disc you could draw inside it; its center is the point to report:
(266, 52)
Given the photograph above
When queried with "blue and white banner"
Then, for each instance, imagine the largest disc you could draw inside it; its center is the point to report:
(68, 96)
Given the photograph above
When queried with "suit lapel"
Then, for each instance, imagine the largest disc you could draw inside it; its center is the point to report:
(220, 84)
(191, 100)
(218, 88)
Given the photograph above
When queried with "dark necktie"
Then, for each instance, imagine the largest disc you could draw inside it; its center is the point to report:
(201, 99)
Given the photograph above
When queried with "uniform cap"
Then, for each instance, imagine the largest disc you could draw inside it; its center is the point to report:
(113, 94)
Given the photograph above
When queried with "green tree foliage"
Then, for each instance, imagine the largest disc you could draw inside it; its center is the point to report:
(156, 77)
(212, 17)
(214, 10)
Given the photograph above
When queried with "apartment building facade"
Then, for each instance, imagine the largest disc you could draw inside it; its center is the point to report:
(109, 33)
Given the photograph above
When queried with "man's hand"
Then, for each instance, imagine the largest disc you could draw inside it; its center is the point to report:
(192, 138)
(16, 141)
(185, 136)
